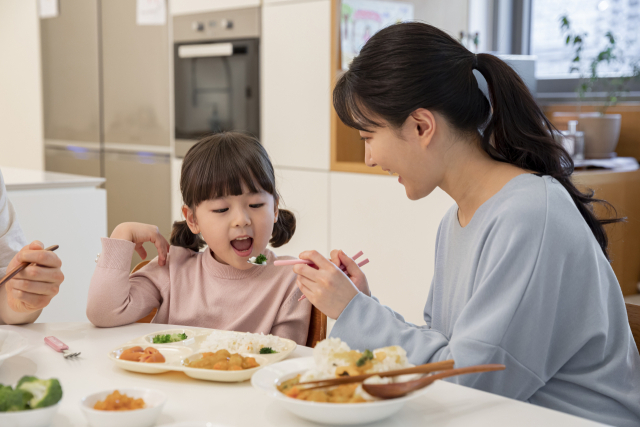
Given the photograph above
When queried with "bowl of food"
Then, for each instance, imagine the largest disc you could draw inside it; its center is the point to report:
(124, 407)
(337, 405)
(31, 403)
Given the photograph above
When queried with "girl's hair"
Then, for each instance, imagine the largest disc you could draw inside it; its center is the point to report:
(409, 66)
(218, 166)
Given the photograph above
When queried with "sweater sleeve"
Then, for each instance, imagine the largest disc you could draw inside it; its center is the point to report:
(11, 236)
(115, 297)
(293, 318)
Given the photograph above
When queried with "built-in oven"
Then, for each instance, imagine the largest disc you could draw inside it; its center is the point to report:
(216, 74)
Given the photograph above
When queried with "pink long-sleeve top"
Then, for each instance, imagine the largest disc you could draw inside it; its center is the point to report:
(193, 289)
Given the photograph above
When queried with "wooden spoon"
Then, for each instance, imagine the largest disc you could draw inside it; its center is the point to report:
(393, 390)
(420, 369)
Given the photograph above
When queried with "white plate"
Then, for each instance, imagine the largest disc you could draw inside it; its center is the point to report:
(11, 344)
(223, 376)
(267, 378)
(191, 337)
(146, 417)
(172, 354)
(289, 346)
(30, 418)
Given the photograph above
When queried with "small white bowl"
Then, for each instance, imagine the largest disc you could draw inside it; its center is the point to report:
(146, 417)
(270, 376)
(42, 417)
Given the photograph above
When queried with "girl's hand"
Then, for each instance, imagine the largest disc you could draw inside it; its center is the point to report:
(33, 288)
(140, 233)
(354, 273)
(326, 287)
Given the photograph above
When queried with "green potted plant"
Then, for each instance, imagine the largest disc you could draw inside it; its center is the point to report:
(601, 130)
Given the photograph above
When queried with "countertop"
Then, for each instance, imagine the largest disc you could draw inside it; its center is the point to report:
(27, 179)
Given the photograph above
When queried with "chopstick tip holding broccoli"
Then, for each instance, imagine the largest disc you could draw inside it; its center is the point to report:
(260, 260)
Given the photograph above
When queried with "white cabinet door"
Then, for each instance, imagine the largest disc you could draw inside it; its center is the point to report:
(187, 7)
(306, 194)
(295, 81)
(372, 213)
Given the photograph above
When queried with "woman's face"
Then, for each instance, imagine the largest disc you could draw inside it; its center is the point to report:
(409, 152)
(235, 227)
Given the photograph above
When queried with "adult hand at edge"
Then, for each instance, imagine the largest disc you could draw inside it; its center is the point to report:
(33, 288)
(326, 286)
(338, 257)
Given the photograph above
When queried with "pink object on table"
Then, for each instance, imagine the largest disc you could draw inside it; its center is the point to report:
(56, 344)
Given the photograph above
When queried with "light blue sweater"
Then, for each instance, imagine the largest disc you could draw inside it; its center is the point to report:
(524, 284)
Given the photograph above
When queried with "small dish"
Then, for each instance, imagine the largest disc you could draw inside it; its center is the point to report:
(42, 417)
(146, 417)
(191, 337)
(172, 354)
(11, 344)
(222, 376)
(267, 379)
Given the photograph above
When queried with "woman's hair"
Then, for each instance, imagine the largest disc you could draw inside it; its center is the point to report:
(409, 66)
(218, 166)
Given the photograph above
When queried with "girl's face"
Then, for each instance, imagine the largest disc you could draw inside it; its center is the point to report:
(235, 227)
(410, 152)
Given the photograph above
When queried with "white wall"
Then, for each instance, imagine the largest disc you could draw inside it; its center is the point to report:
(21, 128)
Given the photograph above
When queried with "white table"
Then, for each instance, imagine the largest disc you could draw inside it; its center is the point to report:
(237, 404)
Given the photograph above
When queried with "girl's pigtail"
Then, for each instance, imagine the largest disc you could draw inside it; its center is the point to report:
(182, 236)
(283, 229)
(520, 134)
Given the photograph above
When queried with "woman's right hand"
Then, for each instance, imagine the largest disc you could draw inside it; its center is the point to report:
(354, 273)
(140, 233)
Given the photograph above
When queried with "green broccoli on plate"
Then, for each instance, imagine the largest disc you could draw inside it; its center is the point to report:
(44, 392)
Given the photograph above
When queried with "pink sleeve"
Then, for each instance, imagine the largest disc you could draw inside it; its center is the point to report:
(293, 318)
(117, 299)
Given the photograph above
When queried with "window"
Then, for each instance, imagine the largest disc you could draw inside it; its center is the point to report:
(594, 17)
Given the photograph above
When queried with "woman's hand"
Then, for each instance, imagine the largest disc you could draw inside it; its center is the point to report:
(354, 273)
(140, 233)
(33, 288)
(327, 287)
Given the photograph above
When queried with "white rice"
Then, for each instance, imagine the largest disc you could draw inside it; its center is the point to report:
(237, 342)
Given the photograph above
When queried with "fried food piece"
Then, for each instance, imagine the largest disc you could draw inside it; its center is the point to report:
(137, 354)
(119, 402)
(222, 360)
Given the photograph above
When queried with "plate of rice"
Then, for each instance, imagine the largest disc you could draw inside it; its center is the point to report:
(271, 347)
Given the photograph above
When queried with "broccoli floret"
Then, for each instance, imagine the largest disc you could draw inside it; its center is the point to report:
(45, 392)
(261, 259)
(13, 400)
(367, 355)
(267, 350)
(163, 339)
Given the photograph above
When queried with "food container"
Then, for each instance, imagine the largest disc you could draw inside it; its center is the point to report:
(146, 417)
(42, 417)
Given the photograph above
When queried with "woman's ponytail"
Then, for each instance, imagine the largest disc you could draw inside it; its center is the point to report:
(412, 65)
(283, 229)
(182, 236)
(519, 133)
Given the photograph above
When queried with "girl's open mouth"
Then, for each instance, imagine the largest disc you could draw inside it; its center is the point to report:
(243, 246)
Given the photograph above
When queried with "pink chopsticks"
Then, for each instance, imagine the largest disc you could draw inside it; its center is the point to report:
(304, 261)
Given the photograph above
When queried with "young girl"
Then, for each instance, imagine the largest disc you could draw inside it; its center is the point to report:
(230, 199)
(522, 275)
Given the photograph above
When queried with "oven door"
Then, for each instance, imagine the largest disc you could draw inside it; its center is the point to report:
(216, 88)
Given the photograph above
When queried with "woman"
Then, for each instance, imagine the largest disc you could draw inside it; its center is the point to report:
(522, 275)
(23, 297)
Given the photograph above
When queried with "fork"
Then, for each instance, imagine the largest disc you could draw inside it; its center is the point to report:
(60, 347)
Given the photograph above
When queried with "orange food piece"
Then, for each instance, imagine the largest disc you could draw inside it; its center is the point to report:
(119, 402)
(222, 360)
(137, 354)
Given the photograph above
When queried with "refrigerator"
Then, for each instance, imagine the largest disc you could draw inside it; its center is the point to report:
(106, 97)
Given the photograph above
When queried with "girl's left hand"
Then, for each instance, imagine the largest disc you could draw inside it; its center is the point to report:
(326, 287)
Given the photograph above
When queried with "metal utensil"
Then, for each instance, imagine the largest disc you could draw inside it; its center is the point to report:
(60, 347)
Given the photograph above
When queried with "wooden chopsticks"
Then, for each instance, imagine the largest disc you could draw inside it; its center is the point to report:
(22, 266)
(420, 369)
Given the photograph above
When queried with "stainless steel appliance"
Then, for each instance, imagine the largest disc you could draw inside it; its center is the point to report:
(216, 74)
(107, 90)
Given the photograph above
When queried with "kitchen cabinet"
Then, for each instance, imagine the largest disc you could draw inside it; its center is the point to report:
(186, 7)
(296, 83)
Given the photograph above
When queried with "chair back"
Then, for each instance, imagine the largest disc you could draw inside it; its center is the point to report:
(149, 317)
(317, 325)
(633, 313)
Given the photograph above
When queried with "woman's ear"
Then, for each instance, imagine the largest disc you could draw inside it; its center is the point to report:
(189, 216)
(425, 126)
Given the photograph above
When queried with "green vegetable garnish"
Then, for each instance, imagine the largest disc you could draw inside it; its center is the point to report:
(267, 350)
(43, 392)
(13, 400)
(163, 339)
(261, 259)
(367, 355)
